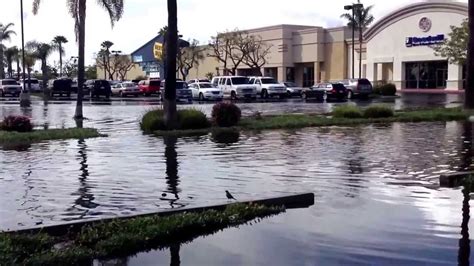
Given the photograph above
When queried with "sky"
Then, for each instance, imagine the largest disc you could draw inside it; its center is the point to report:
(197, 19)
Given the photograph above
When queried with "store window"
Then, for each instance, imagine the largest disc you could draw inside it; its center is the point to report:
(426, 75)
(290, 74)
(308, 76)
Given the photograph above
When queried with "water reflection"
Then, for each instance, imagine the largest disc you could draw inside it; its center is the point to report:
(172, 177)
(465, 242)
(226, 136)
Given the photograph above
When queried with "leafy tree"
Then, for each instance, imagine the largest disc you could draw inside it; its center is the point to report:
(11, 54)
(209, 75)
(5, 35)
(91, 72)
(70, 68)
(106, 45)
(59, 41)
(29, 61)
(455, 47)
(361, 21)
(41, 51)
(188, 57)
(77, 9)
(123, 65)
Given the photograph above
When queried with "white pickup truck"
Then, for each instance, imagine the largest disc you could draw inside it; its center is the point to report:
(268, 87)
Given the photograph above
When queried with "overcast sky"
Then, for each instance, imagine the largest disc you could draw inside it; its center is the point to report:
(198, 19)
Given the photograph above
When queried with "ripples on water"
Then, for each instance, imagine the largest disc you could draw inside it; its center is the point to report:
(377, 198)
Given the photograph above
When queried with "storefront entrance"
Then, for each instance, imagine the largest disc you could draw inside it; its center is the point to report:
(426, 75)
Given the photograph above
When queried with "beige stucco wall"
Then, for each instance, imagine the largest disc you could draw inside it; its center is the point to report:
(207, 65)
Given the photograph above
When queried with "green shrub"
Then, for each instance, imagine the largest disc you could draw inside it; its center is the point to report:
(16, 123)
(226, 114)
(347, 111)
(153, 121)
(378, 111)
(376, 90)
(187, 119)
(388, 89)
(192, 119)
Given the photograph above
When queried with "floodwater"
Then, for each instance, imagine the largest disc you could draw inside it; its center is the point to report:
(377, 195)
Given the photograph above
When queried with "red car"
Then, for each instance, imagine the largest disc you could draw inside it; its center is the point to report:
(149, 87)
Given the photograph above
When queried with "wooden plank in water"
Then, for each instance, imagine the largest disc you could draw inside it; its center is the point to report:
(453, 179)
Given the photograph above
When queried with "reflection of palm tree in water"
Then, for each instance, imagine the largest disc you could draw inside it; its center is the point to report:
(464, 251)
(172, 178)
(175, 258)
(466, 147)
(86, 198)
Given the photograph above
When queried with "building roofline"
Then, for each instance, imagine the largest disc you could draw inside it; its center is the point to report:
(280, 26)
(150, 41)
(417, 8)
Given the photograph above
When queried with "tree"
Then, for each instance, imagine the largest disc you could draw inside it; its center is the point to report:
(91, 72)
(59, 41)
(5, 35)
(123, 65)
(188, 57)
(455, 47)
(41, 51)
(29, 62)
(70, 68)
(106, 45)
(10, 55)
(77, 9)
(361, 20)
(255, 53)
(170, 115)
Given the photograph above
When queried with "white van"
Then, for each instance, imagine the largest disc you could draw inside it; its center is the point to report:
(268, 87)
(235, 87)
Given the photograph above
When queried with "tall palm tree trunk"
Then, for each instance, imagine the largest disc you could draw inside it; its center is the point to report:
(18, 66)
(60, 60)
(360, 51)
(2, 71)
(169, 104)
(44, 69)
(80, 67)
(469, 93)
(9, 68)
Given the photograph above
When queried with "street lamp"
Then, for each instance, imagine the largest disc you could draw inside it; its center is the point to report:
(24, 95)
(353, 7)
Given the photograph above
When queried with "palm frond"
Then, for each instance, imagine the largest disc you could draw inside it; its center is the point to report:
(36, 5)
(114, 8)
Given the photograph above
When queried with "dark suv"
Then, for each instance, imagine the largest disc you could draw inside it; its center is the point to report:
(60, 87)
(357, 87)
(98, 87)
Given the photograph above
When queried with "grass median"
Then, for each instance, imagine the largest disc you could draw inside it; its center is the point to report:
(9, 137)
(121, 238)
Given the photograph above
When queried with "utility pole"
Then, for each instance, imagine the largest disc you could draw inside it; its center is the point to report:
(24, 95)
(469, 93)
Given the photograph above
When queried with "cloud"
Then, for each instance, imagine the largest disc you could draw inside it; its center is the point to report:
(197, 19)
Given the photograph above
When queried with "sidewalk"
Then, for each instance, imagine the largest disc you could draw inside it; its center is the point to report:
(431, 91)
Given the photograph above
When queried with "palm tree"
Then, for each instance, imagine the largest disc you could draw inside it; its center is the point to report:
(469, 97)
(30, 60)
(10, 55)
(59, 41)
(106, 45)
(361, 21)
(169, 104)
(77, 9)
(41, 51)
(5, 35)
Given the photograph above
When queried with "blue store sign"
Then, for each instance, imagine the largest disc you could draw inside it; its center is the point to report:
(422, 41)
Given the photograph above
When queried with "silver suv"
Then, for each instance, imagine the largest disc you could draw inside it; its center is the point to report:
(9, 87)
(357, 87)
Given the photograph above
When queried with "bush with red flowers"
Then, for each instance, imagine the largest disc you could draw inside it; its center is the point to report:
(226, 114)
(16, 123)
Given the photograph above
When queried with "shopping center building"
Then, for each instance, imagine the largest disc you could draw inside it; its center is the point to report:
(396, 48)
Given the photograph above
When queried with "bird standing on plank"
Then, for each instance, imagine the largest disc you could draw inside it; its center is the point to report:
(229, 196)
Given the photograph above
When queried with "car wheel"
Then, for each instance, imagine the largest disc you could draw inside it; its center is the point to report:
(350, 95)
(233, 96)
(325, 97)
(288, 94)
(304, 96)
(264, 94)
(121, 94)
(201, 97)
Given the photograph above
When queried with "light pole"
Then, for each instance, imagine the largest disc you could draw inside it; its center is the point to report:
(24, 95)
(353, 7)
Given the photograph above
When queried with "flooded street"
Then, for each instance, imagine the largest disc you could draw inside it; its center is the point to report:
(377, 195)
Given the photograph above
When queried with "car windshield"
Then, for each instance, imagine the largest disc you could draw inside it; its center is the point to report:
(269, 81)
(128, 85)
(9, 82)
(155, 83)
(291, 84)
(338, 86)
(240, 81)
(181, 85)
(205, 86)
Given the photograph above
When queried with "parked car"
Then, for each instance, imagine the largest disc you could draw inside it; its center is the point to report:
(183, 93)
(125, 89)
(268, 87)
(235, 87)
(150, 86)
(9, 87)
(198, 81)
(357, 87)
(326, 91)
(292, 89)
(205, 91)
(98, 87)
(62, 86)
(35, 84)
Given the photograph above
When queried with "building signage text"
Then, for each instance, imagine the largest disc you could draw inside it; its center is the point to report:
(421, 41)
